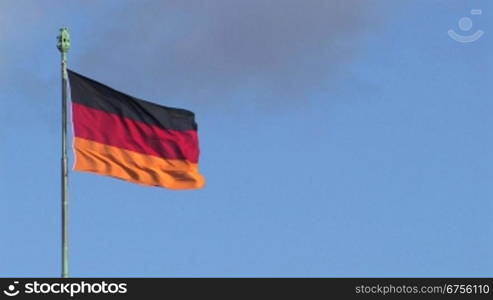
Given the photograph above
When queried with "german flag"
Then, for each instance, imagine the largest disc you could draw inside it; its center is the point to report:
(131, 139)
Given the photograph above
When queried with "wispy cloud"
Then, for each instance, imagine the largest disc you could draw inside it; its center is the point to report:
(256, 52)
(214, 51)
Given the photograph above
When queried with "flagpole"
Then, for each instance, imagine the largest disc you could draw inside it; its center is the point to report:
(63, 46)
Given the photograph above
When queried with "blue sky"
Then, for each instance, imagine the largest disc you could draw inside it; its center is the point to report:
(341, 138)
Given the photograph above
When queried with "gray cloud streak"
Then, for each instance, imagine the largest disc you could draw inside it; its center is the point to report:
(218, 50)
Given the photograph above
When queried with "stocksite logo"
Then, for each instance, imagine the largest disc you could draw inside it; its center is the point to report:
(65, 288)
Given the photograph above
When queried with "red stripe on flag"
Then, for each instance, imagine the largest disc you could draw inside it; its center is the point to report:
(114, 130)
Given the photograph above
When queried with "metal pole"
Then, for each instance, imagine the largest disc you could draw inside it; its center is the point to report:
(63, 46)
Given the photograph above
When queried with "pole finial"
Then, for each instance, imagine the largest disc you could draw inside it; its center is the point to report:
(63, 40)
